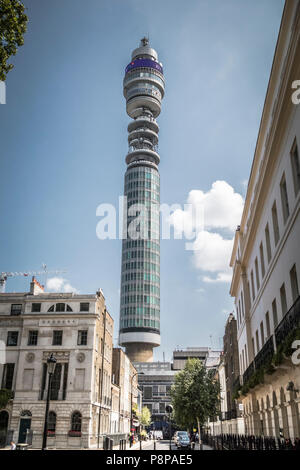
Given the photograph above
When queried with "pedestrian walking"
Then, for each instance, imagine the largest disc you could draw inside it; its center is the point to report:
(13, 445)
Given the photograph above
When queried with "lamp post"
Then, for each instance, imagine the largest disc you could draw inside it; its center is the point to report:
(131, 402)
(169, 409)
(131, 395)
(51, 362)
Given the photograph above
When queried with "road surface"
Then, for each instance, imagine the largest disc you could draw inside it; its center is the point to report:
(161, 445)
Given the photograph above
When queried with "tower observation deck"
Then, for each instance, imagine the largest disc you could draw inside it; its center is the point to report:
(143, 88)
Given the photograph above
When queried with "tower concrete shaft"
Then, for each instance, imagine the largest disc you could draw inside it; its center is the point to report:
(140, 279)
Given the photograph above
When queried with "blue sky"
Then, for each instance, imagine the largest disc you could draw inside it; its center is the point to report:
(63, 139)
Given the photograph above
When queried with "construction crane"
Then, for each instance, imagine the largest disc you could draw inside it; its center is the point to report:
(5, 275)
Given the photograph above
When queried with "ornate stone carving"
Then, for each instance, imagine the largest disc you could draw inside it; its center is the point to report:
(30, 357)
(60, 356)
(80, 357)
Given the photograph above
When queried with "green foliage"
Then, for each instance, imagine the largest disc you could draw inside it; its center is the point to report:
(145, 416)
(5, 396)
(13, 25)
(283, 350)
(195, 395)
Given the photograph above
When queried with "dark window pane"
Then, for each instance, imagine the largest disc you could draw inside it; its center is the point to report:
(8, 375)
(84, 307)
(60, 307)
(12, 338)
(82, 337)
(33, 338)
(57, 338)
(55, 383)
(36, 307)
(16, 309)
(76, 421)
(52, 422)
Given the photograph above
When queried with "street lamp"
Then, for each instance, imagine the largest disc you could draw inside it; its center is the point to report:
(131, 395)
(51, 362)
(169, 409)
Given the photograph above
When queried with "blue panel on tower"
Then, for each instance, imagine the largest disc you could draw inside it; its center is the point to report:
(144, 63)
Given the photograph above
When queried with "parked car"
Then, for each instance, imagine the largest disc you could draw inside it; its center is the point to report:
(182, 440)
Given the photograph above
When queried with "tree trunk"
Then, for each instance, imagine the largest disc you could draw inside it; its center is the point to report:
(199, 433)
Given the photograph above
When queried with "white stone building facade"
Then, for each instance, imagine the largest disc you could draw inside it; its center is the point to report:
(266, 255)
(71, 327)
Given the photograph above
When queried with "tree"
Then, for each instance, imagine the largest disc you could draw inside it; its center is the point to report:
(195, 395)
(13, 25)
(145, 416)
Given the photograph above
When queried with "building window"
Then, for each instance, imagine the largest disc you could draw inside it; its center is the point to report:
(268, 243)
(33, 337)
(257, 274)
(283, 300)
(294, 283)
(76, 421)
(257, 341)
(36, 307)
(16, 309)
(57, 338)
(56, 382)
(85, 307)
(262, 260)
(268, 325)
(275, 223)
(284, 199)
(60, 307)
(51, 422)
(274, 311)
(8, 376)
(295, 167)
(162, 407)
(262, 334)
(147, 392)
(12, 338)
(82, 338)
(252, 286)
(253, 346)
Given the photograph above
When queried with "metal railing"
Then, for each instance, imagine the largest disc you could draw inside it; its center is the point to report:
(248, 372)
(290, 321)
(244, 442)
(265, 354)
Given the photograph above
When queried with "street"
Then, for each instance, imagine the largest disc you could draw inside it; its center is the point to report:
(161, 445)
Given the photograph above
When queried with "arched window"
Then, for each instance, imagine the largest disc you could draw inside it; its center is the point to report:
(76, 421)
(52, 422)
(60, 307)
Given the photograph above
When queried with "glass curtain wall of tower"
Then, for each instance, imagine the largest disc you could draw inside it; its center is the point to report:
(140, 275)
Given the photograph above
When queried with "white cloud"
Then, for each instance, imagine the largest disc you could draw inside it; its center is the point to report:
(59, 284)
(212, 252)
(222, 210)
(223, 207)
